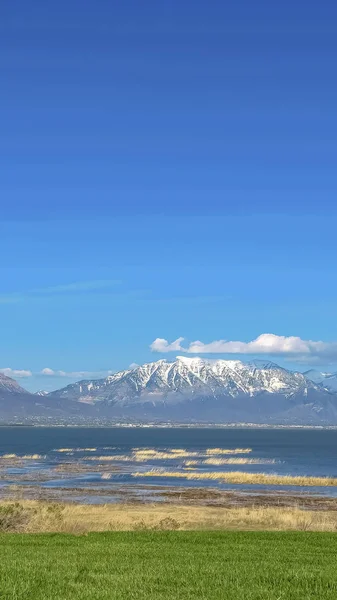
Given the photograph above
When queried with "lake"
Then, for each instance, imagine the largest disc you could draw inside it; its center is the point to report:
(102, 464)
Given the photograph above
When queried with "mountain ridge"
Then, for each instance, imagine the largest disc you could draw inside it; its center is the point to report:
(233, 376)
(200, 389)
(186, 390)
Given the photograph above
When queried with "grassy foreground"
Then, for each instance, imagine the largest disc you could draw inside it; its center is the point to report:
(169, 566)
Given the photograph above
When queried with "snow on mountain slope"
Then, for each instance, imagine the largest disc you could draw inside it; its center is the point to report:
(163, 380)
(87, 390)
(186, 390)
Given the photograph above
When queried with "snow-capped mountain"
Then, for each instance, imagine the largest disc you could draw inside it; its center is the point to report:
(189, 376)
(327, 380)
(198, 389)
(186, 390)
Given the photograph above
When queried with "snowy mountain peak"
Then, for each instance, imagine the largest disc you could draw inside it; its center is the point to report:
(188, 376)
(187, 360)
(189, 389)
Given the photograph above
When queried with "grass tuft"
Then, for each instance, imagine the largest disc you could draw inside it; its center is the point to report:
(238, 477)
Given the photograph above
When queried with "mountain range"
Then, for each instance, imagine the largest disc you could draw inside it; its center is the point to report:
(185, 390)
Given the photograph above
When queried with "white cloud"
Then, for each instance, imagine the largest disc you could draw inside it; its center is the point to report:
(266, 343)
(16, 372)
(133, 365)
(161, 345)
(47, 371)
(73, 374)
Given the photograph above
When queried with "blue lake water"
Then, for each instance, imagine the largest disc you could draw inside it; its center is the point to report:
(103, 458)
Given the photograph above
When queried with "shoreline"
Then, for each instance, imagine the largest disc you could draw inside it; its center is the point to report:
(160, 495)
(145, 425)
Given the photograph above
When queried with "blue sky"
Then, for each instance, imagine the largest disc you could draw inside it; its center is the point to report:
(167, 170)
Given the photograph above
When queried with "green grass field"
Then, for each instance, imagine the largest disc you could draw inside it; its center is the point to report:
(169, 566)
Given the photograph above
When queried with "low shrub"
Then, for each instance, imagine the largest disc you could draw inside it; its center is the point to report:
(13, 517)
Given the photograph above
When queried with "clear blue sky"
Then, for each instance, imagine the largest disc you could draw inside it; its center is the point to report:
(168, 169)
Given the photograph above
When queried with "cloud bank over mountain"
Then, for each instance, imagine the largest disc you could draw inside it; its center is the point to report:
(16, 373)
(267, 343)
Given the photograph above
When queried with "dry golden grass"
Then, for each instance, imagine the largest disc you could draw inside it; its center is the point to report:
(9, 456)
(227, 461)
(112, 458)
(237, 461)
(75, 450)
(78, 518)
(32, 456)
(242, 477)
(145, 454)
(228, 451)
(141, 456)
